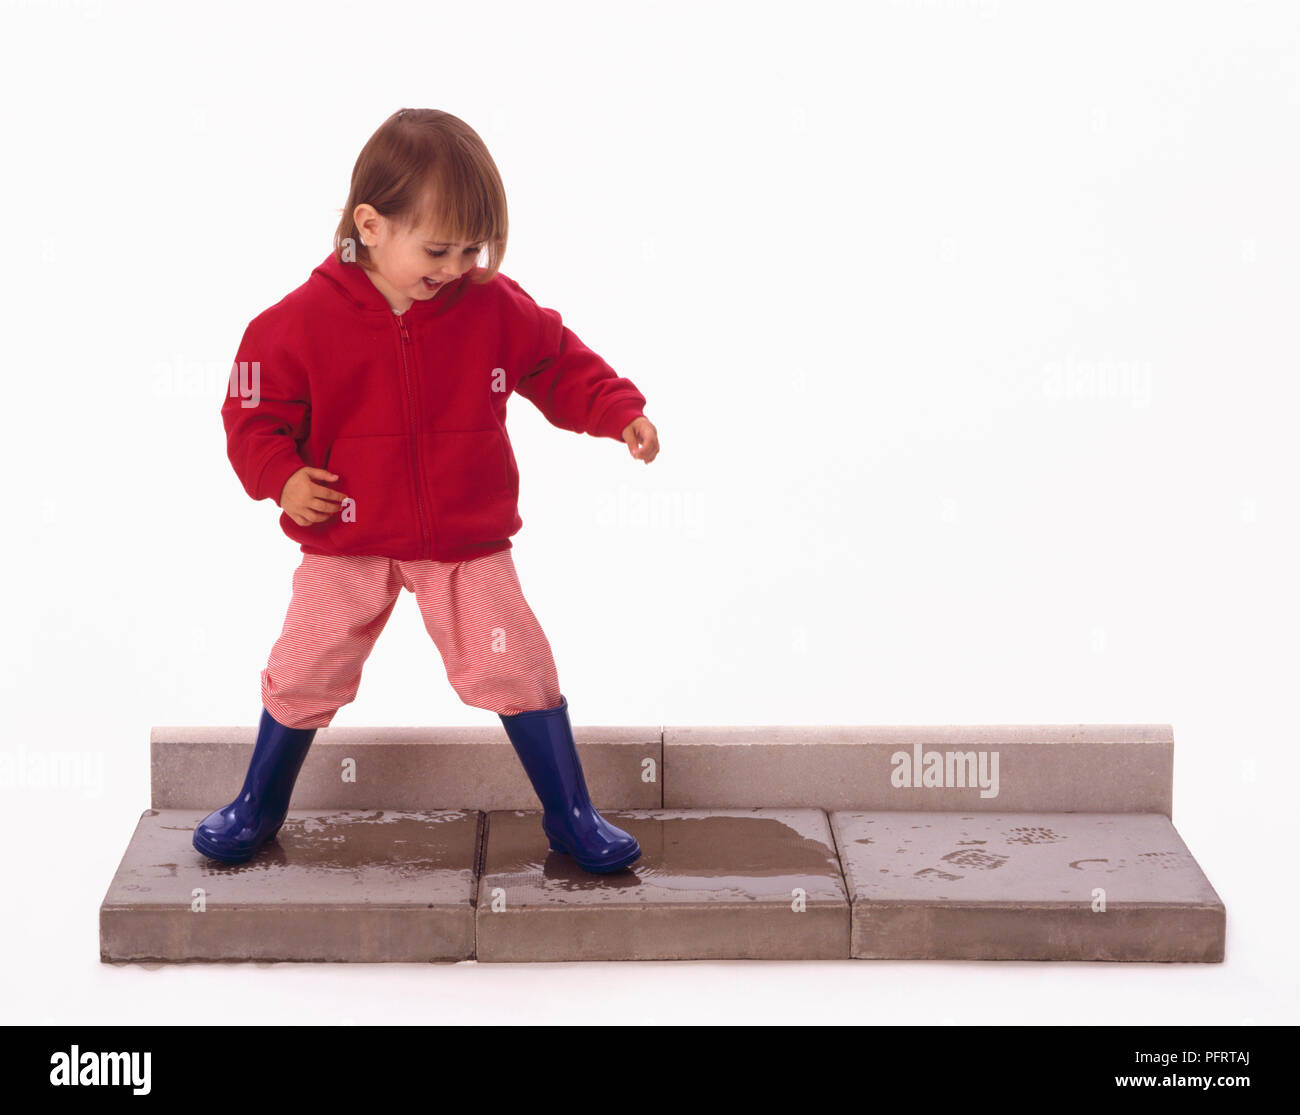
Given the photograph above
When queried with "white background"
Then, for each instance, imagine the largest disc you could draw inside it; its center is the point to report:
(969, 330)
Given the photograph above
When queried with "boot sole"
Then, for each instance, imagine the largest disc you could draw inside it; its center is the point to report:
(222, 856)
(600, 868)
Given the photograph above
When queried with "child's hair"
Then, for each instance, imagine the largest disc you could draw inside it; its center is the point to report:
(427, 167)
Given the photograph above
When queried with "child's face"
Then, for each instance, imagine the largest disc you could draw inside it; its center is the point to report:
(412, 264)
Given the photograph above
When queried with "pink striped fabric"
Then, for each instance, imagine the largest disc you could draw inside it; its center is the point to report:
(494, 651)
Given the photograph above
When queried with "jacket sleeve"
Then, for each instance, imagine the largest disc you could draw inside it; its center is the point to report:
(572, 386)
(266, 413)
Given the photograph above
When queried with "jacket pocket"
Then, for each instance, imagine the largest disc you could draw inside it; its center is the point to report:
(379, 517)
(473, 489)
(512, 467)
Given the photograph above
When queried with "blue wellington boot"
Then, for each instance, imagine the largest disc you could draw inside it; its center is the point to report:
(234, 833)
(543, 740)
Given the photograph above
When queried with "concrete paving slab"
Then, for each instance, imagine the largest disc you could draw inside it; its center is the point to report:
(1025, 886)
(402, 768)
(760, 884)
(333, 885)
(1115, 768)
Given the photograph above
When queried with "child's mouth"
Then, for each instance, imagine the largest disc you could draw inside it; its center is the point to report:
(430, 284)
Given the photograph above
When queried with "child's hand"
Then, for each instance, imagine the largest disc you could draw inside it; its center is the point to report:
(307, 502)
(642, 439)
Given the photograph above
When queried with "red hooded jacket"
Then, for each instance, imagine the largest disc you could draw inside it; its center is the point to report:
(409, 410)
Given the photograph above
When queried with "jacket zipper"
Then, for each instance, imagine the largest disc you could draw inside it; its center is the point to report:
(415, 439)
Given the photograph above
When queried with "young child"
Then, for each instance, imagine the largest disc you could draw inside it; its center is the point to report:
(370, 403)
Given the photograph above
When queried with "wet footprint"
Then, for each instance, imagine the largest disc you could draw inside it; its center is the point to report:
(974, 858)
(935, 873)
(1031, 835)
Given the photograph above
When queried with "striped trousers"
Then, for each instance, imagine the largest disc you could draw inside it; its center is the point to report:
(495, 653)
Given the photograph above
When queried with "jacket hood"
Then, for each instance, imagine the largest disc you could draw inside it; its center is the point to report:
(350, 281)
